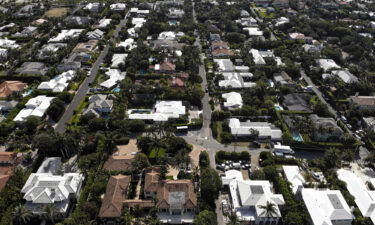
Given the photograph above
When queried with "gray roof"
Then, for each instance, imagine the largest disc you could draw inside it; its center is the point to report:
(297, 102)
(50, 165)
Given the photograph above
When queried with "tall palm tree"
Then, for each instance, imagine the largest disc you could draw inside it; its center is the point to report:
(21, 215)
(233, 219)
(269, 210)
(50, 212)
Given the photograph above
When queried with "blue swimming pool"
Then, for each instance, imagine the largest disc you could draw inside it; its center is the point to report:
(116, 90)
(278, 108)
(297, 136)
(172, 22)
(27, 93)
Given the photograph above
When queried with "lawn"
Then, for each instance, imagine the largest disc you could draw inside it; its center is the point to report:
(77, 113)
(263, 13)
(56, 12)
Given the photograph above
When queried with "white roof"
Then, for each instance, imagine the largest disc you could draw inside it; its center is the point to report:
(163, 111)
(104, 23)
(167, 35)
(65, 34)
(128, 44)
(34, 107)
(6, 43)
(114, 75)
(325, 206)
(257, 58)
(253, 31)
(136, 21)
(265, 129)
(3, 52)
(281, 20)
(231, 175)
(327, 64)
(225, 65)
(117, 59)
(139, 11)
(345, 76)
(118, 6)
(364, 198)
(293, 175)
(58, 83)
(233, 99)
(45, 188)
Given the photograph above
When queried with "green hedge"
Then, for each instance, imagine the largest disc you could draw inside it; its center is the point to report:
(221, 156)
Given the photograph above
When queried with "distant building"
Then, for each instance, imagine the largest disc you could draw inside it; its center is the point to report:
(297, 102)
(327, 64)
(100, 105)
(362, 102)
(326, 128)
(243, 129)
(162, 111)
(283, 79)
(95, 35)
(233, 100)
(294, 177)
(32, 68)
(8, 161)
(346, 76)
(9, 87)
(34, 107)
(58, 83)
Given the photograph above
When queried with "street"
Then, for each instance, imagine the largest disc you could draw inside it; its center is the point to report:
(84, 88)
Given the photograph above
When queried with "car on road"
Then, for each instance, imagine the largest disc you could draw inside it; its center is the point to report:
(88, 73)
(349, 126)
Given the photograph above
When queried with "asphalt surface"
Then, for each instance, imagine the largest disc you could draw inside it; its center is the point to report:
(84, 88)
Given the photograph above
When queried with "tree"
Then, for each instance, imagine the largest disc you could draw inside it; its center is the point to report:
(269, 210)
(233, 219)
(56, 108)
(97, 124)
(258, 175)
(294, 218)
(204, 159)
(332, 158)
(205, 218)
(210, 185)
(31, 124)
(21, 215)
(140, 162)
(50, 212)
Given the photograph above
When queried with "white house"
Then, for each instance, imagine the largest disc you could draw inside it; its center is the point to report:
(95, 35)
(236, 80)
(117, 59)
(345, 76)
(3, 53)
(372, 23)
(103, 23)
(231, 175)
(46, 187)
(170, 35)
(248, 197)
(163, 110)
(58, 83)
(6, 43)
(364, 198)
(293, 175)
(34, 107)
(326, 207)
(114, 75)
(233, 100)
(266, 130)
(92, 7)
(64, 35)
(253, 31)
(327, 64)
(257, 58)
(118, 7)
(282, 20)
(128, 44)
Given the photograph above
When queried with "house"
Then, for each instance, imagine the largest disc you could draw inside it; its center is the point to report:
(65, 35)
(103, 23)
(369, 122)
(312, 48)
(262, 3)
(42, 189)
(163, 111)
(218, 53)
(164, 67)
(170, 35)
(225, 65)
(100, 105)
(118, 59)
(67, 65)
(166, 44)
(283, 79)
(6, 43)
(233, 100)
(294, 177)
(362, 102)
(29, 10)
(50, 49)
(8, 161)
(118, 7)
(26, 32)
(86, 47)
(326, 207)
(174, 13)
(236, 80)
(253, 31)
(243, 129)
(93, 7)
(259, 56)
(112, 203)
(331, 131)
(95, 35)
(244, 13)
(247, 198)
(32, 68)
(9, 87)
(215, 37)
(135, 12)
(247, 22)
(219, 45)
(327, 64)
(281, 4)
(329, 5)
(122, 159)
(115, 76)
(39, 21)
(346, 76)
(36, 106)
(300, 37)
(297, 102)
(363, 197)
(282, 20)
(128, 44)
(3, 54)
(177, 82)
(77, 21)
(7, 106)
(58, 83)
(231, 175)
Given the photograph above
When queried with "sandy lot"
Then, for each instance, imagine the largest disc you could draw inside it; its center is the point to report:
(128, 149)
(173, 172)
(364, 173)
(56, 12)
(194, 155)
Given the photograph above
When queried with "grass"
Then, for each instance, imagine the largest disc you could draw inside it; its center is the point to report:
(78, 112)
(219, 128)
(157, 153)
(263, 13)
(56, 12)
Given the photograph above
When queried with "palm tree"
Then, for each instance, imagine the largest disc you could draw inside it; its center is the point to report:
(50, 212)
(269, 210)
(21, 215)
(233, 219)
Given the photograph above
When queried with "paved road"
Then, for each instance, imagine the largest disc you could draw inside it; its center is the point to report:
(84, 88)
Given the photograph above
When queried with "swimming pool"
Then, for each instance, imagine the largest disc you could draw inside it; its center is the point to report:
(278, 108)
(172, 22)
(116, 90)
(297, 136)
(27, 93)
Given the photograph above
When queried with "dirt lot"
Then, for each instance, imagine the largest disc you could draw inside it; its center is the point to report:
(194, 155)
(56, 12)
(128, 149)
(173, 172)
